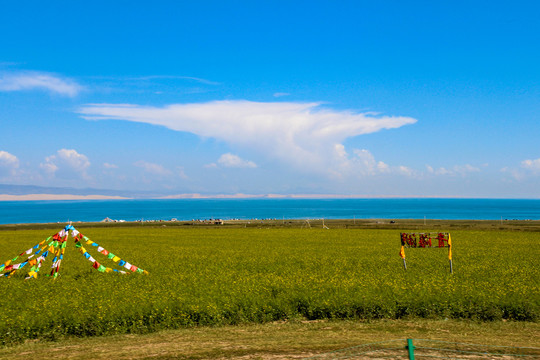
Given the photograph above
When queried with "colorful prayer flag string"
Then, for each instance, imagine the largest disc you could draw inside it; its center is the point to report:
(56, 244)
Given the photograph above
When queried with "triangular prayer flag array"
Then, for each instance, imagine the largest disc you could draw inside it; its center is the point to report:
(56, 244)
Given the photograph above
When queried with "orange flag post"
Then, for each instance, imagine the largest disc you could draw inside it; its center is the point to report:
(450, 253)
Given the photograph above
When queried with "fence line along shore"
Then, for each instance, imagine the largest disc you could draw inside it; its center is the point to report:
(319, 223)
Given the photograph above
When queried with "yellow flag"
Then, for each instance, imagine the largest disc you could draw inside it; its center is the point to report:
(115, 259)
(402, 252)
(449, 247)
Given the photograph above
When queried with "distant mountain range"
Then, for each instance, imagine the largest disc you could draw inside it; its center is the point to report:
(34, 192)
(6, 189)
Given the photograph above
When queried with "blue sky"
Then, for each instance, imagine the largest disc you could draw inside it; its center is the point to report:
(374, 98)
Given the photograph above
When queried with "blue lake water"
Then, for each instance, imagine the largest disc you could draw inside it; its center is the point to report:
(15, 212)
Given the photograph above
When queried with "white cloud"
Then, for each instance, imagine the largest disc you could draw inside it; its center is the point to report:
(533, 165)
(461, 170)
(9, 164)
(152, 168)
(303, 135)
(110, 166)
(404, 170)
(281, 94)
(361, 164)
(31, 80)
(514, 173)
(234, 161)
(66, 163)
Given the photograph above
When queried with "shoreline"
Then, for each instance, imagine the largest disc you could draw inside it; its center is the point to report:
(58, 197)
(240, 196)
(414, 225)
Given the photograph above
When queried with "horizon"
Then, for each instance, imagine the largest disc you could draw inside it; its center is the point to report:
(350, 99)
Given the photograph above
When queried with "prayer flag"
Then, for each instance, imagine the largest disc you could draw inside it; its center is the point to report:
(96, 265)
(127, 266)
(110, 256)
(100, 249)
(101, 268)
(121, 263)
(449, 247)
(115, 258)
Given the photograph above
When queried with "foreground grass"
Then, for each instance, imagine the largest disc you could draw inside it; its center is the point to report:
(236, 276)
(276, 340)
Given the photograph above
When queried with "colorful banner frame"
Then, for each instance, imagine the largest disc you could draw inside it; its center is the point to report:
(424, 240)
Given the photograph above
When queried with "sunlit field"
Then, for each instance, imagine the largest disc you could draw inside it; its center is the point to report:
(218, 276)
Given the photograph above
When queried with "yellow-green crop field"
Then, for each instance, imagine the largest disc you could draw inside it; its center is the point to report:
(215, 276)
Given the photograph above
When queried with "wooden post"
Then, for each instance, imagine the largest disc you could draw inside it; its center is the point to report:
(404, 264)
(451, 268)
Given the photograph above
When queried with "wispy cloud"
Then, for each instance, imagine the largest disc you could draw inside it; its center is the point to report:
(32, 80)
(174, 77)
(303, 135)
(281, 94)
(110, 166)
(152, 168)
(156, 77)
(234, 161)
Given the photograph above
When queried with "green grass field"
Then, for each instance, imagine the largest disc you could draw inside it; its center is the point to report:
(222, 276)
